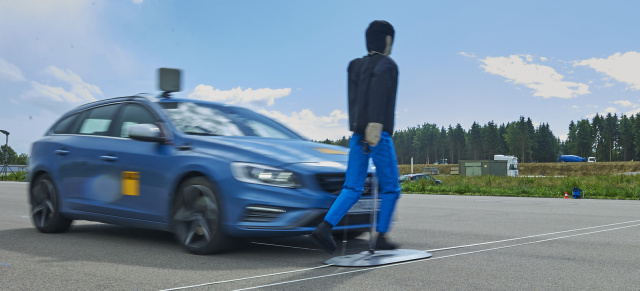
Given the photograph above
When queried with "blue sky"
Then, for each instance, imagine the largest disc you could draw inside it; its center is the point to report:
(459, 61)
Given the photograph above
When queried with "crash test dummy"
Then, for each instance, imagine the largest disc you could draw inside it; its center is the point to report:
(372, 86)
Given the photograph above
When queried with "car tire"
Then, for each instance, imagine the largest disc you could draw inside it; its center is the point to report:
(45, 206)
(197, 217)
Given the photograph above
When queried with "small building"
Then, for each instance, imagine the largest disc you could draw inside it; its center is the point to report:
(470, 168)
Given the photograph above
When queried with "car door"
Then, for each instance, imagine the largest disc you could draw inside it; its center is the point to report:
(143, 169)
(80, 165)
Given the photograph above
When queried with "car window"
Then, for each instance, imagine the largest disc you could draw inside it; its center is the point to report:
(133, 114)
(97, 121)
(64, 125)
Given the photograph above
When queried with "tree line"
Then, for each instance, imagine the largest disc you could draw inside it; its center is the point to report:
(608, 138)
(8, 155)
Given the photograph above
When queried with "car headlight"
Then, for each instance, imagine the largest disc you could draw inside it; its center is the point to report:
(264, 175)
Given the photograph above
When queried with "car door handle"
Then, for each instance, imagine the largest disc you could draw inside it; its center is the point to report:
(109, 158)
(62, 152)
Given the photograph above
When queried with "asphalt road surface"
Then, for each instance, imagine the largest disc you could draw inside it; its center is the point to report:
(478, 243)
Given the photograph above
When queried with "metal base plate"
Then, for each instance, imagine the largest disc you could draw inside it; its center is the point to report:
(366, 259)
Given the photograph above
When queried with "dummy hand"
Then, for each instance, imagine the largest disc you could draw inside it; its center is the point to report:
(372, 133)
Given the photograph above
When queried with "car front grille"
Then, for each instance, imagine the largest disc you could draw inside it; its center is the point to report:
(332, 183)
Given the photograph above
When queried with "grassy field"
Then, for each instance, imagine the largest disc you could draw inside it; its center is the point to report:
(549, 169)
(600, 180)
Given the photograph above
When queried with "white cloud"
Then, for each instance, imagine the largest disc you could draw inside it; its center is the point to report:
(57, 98)
(82, 91)
(621, 67)
(468, 55)
(259, 97)
(312, 126)
(625, 103)
(138, 1)
(633, 112)
(10, 72)
(544, 80)
(611, 110)
(543, 59)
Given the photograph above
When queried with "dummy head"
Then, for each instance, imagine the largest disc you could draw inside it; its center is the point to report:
(380, 37)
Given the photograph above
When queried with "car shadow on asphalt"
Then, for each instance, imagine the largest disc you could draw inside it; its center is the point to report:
(122, 245)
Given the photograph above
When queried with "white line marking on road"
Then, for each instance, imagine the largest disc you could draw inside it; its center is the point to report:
(246, 278)
(284, 246)
(430, 259)
(526, 237)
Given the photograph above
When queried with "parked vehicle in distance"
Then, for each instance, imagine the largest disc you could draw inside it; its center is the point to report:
(571, 159)
(205, 171)
(591, 159)
(512, 164)
(418, 177)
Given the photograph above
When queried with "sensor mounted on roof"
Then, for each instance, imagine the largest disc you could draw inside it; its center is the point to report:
(168, 81)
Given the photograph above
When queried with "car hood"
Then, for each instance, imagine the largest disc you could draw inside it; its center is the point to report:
(273, 151)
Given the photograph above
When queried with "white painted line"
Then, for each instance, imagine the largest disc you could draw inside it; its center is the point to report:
(246, 278)
(526, 237)
(284, 246)
(431, 259)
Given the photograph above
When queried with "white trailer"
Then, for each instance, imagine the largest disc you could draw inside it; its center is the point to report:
(512, 164)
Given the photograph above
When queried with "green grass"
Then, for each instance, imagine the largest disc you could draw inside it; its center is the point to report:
(594, 187)
(15, 176)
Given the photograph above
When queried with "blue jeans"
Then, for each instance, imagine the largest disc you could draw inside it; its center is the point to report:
(384, 158)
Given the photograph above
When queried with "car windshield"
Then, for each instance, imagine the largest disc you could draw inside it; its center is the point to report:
(214, 120)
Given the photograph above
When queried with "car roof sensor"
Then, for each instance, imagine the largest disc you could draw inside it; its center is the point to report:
(168, 81)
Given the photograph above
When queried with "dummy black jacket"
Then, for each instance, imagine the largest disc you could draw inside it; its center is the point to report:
(372, 87)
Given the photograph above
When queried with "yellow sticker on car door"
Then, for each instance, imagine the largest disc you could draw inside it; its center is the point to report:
(131, 183)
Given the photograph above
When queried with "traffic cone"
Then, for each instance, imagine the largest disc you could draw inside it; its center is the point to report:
(566, 196)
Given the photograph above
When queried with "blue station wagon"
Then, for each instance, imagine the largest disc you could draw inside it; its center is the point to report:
(207, 172)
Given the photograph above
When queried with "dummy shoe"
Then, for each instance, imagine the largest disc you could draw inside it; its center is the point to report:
(383, 244)
(323, 238)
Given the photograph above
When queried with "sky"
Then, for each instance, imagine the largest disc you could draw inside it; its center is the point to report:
(459, 61)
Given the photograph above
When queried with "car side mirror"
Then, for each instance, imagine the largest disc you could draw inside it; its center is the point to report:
(169, 80)
(146, 132)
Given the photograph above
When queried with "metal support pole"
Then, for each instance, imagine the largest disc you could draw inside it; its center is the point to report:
(373, 216)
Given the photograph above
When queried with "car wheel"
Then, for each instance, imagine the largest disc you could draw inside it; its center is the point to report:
(196, 217)
(45, 209)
